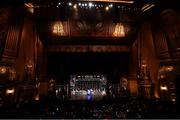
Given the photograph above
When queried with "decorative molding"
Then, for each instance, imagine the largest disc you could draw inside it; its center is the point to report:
(13, 40)
(86, 48)
(4, 19)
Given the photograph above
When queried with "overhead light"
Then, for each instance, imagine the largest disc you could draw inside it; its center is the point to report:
(70, 4)
(112, 1)
(111, 5)
(75, 6)
(107, 8)
(90, 4)
(147, 7)
(30, 5)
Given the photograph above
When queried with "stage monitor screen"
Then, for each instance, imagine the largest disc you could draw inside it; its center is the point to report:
(88, 87)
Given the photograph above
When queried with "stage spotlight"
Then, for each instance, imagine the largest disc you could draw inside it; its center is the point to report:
(75, 6)
(90, 4)
(107, 8)
(111, 5)
(70, 4)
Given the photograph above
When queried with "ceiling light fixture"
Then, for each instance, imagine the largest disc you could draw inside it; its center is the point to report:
(70, 4)
(75, 6)
(90, 4)
(112, 1)
(147, 7)
(107, 8)
(111, 5)
(30, 5)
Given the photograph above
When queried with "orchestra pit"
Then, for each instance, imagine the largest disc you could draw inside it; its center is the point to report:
(89, 59)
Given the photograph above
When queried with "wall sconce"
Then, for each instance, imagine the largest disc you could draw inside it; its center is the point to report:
(164, 88)
(29, 64)
(3, 70)
(162, 76)
(173, 100)
(166, 69)
(119, 30)
(36, 97)
(169, 68)
(58, 29)
(10, 91)
(29, 67)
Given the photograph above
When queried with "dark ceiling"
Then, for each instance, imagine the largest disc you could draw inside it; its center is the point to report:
(47, 11)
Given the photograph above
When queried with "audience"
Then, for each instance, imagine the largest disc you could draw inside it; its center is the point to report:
(123, 107)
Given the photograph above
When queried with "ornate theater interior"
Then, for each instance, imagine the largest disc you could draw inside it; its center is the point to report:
(89, 59)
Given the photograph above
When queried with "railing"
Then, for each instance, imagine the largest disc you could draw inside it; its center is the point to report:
(173, 54)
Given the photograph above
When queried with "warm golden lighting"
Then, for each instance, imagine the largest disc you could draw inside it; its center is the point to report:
(37, 97)
(162, 76)
(144, 65)
(147, 7)
(173, 99)
(119, 30)
(166, 69)
(30, 64)
(30, 7)
(169, 68)
(163, 88)
(58, 29)
(107, 8)
(75, 6)
(3, 70)
(10, 91)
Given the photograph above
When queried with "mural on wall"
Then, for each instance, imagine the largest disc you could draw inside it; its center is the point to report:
(85, 28)
(88, 28)
(4, 15)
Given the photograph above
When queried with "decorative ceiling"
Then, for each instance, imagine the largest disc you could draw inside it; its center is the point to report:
(89, 21)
